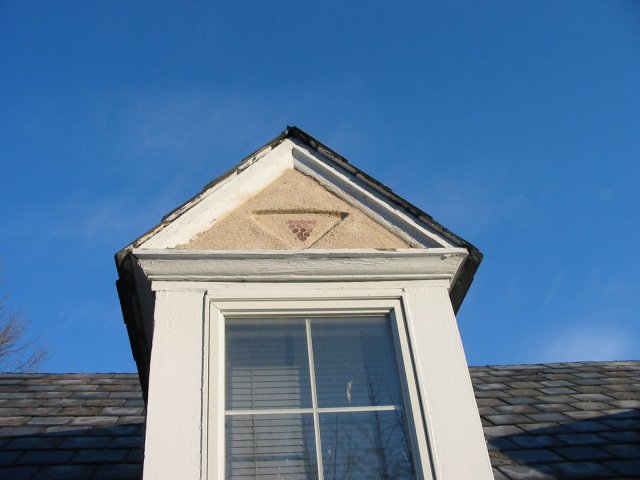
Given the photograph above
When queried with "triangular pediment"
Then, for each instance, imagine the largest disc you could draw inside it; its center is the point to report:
(294, 193)
(295, 212)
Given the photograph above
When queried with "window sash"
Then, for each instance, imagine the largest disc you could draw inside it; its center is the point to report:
(317, 304)
(363, 360)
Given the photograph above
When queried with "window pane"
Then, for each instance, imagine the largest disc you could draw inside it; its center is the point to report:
(271, 446)
(355, 363)
(365, 445)
(267, 364)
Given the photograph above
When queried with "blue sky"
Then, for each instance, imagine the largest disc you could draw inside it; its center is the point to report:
(515, 124)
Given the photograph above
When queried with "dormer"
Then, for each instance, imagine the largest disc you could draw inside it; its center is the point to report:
(296, 319)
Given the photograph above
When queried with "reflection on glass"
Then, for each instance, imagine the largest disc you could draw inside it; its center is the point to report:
(354, 362)
(271, 447)
(267, 364)
(365, 445)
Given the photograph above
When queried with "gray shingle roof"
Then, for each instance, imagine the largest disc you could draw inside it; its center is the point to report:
(569, 420)
(71, 426)
(566, 420)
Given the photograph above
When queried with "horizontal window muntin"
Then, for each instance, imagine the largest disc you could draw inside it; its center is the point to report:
(276, 411)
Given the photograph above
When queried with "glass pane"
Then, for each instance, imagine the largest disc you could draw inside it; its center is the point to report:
(355, 363)
(267, 364)
(365, 445)
(271, 446)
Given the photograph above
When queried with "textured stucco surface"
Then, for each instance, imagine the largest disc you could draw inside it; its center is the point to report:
(273, 218)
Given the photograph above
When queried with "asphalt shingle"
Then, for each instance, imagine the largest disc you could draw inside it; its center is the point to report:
(552, 421)
(577, 425)
(80, 429)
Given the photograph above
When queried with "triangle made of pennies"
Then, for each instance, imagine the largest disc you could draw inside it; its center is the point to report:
(298, 229)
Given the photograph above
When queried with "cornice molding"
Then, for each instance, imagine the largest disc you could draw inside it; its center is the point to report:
(300, 265)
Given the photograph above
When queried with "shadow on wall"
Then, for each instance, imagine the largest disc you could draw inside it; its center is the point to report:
(598, 447)
(107, 453)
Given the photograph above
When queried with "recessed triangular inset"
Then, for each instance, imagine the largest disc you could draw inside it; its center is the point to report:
(298, 228)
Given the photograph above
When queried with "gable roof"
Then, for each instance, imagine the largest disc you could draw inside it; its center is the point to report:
(565, 420)
(342, 165)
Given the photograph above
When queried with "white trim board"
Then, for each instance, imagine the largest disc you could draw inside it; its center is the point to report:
(298, 265)
(366, 197)
(199, 214)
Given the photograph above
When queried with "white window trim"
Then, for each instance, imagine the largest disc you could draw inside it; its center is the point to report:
(320, 303)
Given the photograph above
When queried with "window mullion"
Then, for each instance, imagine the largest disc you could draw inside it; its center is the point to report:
(314, 401)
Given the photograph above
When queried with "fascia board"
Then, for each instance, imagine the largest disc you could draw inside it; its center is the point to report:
(300, 265)
(206, 190)
(303, 138)
(222, 198)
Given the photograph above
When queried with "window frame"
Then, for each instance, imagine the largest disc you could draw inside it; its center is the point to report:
(316, 303)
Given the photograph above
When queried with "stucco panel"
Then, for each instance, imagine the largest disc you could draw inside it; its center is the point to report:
(295, 212)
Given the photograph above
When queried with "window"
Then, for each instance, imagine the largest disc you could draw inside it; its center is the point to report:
(304, 335)
(314, 398)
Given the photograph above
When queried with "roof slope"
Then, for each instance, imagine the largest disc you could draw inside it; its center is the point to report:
(567, 420)
(71, 426)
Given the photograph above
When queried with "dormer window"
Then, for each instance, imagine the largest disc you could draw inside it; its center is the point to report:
(296, 320)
